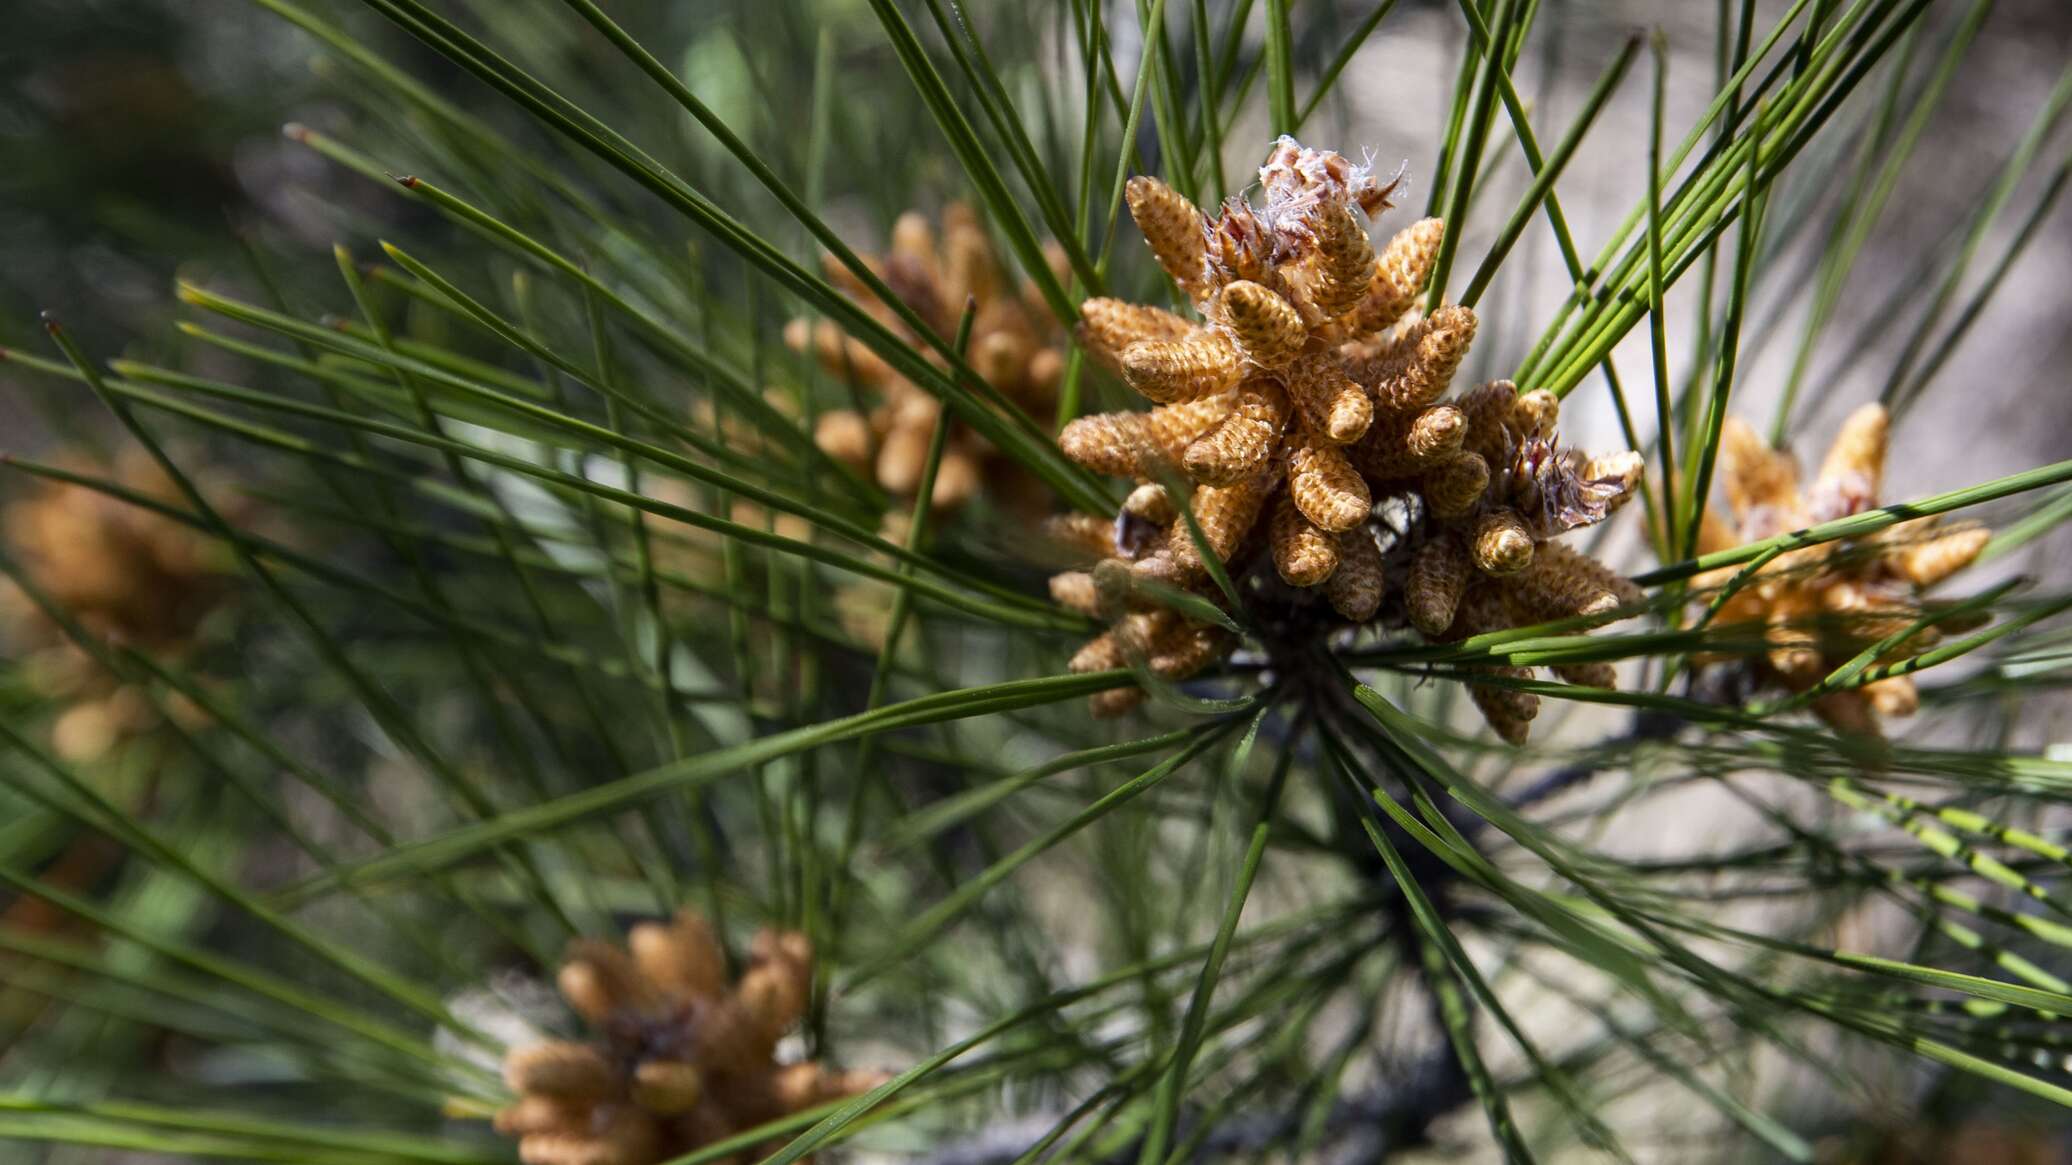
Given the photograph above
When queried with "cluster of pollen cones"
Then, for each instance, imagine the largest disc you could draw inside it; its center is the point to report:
(1310, 389)
(1818, 607)
(127, 575)
(1014, 345)
(679, 1059)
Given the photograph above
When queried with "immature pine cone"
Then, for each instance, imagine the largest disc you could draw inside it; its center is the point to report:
(1818, 607)
(1014, 346)
(677, 1060)
(1313, 388)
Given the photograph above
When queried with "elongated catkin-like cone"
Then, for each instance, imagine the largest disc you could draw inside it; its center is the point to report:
(1894, 696)
(1114, 587)
(1324, 485)
(1303, 554)
(804, 1085)
(1366, 359)
(1509, 711)
(1083, 536)
(1240, 446)
(913, 238)
(957, 478)
(1853, 471)
(1173, 428)
(1416, 377)
(1344, 263)
(667, 1087)
(968, 271)
(1184, 647)
(1453, 488)
(1105, 442)
(1173, 228)
(1101, 653)
(1001, 358)
(1124, 444)
(1848, 711)
(844, 435)
(1381, 454)
(1355, 589)
(1169, 371)
(1488, 408)
(1589, 675)
(1925, 564)
(1865, 614)
(1500, 544)
(1535, 413)
(1435, 433)
(1266, 327)
(1756, 477)
(1151, 503)
(1332, 405)
(1562, 583)
(1107, 326)
(774, 996)
(838, 352)
(1438, 575)
(559, 1069)
(598, 979)
(903, 458)
(588, 1148)
(1481, 610)
(1115, 702)
(682, 956)
(1399, 275)
(1792, 643)
(1138, 630)
(538, 1113)
(1225, 514)
(1401, 445)
(1074, 591)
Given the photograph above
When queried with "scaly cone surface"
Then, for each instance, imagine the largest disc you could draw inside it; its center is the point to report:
(1818, 607)
(1014, 346)
(1310, 389)
(679, 1059)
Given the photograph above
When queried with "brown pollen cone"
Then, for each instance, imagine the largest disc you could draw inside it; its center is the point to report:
(1809, 611)
(679, 1057)
(935, 269)
(1310, 387)
(127, 575)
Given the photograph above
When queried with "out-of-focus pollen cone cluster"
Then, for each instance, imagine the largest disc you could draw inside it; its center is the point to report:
(678, 1059)
(126, 575)
(1310, 391)
(1818, 607)
(1014, 345)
